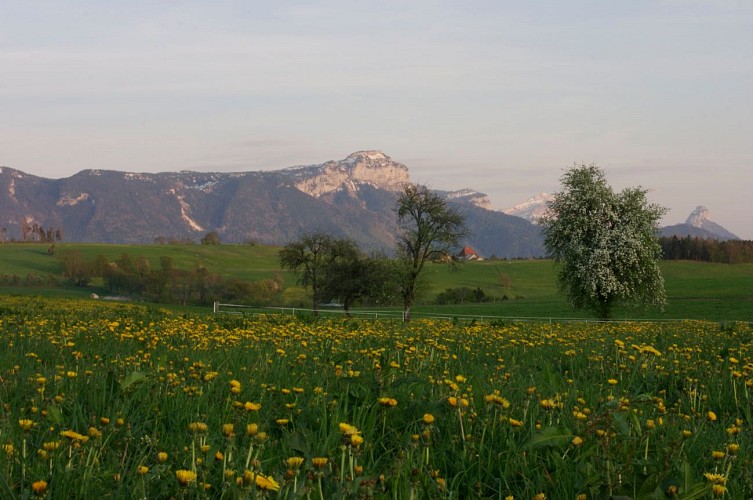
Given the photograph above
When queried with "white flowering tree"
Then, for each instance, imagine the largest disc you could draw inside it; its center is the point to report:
(604, 243)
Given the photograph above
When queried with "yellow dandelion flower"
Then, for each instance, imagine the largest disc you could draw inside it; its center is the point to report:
(252, 429)
(577, 441)
(294, 462)
(282, 422)
(356, 440)
(387, 402)
(612, 381)
(428, 418)
(141, 470)
(711, 416)
(198, 427)
(162, 457)
(516, 423)
(185, 477)
(228, 430)
(51, 445)
(249, 406)
(235, 388)
(733, 448)
(74, 436)
(348, 429)
(717, 455)
(718, 490)
(25, 424)
(261, 482)
(39, 487)
(453, 401)
(319, 462)
(715, 478)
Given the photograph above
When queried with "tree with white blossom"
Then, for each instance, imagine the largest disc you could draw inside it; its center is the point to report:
(604, 243)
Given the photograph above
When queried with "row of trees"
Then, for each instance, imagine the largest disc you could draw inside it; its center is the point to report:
(134, 276)
(33, 232)
(707, 250)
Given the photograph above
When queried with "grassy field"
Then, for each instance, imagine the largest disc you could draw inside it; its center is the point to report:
(695, 290)
(112, 400)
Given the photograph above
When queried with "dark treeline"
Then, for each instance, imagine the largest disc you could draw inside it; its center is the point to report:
(707, 250)
(136, 278)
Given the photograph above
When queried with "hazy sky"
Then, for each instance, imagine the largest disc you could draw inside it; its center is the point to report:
(492, 95)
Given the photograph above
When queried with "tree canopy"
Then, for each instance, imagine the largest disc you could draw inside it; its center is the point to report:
(605, 243)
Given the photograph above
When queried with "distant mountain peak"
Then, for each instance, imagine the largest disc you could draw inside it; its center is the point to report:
(531, 209)
(471, 196)
(369, 154)
(698, 216)
(362, 167)
(699, 225)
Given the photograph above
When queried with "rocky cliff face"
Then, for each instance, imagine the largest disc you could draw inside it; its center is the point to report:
(363, 167)
(532, 209)
(470, 196)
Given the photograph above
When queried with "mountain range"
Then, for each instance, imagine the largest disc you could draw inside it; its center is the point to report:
(354, 197)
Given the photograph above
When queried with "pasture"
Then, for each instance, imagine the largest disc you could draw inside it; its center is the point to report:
(695, 290)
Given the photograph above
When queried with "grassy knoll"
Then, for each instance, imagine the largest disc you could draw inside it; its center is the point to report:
(695, 290)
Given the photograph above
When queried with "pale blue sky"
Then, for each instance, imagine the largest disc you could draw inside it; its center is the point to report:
(496, 96)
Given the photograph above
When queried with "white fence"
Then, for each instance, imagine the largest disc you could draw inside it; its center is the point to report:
(220, 308)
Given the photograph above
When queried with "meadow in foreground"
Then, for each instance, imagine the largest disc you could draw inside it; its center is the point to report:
(129, 401)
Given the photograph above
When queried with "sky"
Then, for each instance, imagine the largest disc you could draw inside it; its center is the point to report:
(497, 96)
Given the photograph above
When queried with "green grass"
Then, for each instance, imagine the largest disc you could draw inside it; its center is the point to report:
(115, 400)
(695, 290)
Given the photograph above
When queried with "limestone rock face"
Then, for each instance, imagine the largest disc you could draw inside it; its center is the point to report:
(532, 209)
(362, 167)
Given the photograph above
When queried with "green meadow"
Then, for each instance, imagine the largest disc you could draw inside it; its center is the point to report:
(517, 288)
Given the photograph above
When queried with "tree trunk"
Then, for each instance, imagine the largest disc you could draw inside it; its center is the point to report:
(406, 313)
